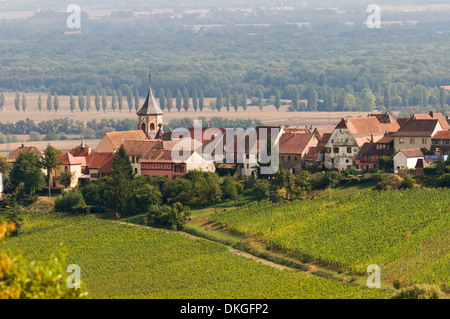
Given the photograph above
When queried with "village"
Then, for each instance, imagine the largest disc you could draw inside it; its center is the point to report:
(411, 143)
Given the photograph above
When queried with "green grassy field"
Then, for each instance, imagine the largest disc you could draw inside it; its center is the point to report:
(405, 232)
(121, 261)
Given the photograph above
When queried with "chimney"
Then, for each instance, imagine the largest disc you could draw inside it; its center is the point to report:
(89, 150)
(23, 145)
(432, 114)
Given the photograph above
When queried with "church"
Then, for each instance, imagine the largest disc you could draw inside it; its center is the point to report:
(149, 147)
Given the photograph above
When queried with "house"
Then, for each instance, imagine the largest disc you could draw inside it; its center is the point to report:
(112, 141)
(408, 159)
(99, 165)
(350, 135)
(433, 116)
(68, 163)
(293, 147)
(14, 154)
(440, 147)
(316, 155)
(369, 154)
(416, 133)
(159, 162)
(136, 149)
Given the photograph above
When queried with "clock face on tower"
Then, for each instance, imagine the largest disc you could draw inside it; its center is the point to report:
(159, 118)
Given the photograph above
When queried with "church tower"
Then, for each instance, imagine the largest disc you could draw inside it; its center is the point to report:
(150, 115)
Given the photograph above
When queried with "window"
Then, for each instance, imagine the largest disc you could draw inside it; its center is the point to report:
(401, 140)
(143, 127)
(335, 150)
(332, 160)
(328, 150)
(412, 140)
(289, 158)
(347, 161)
(152, 127)
(135, 171)
(424, 141)
(133, 160)
(349, 149)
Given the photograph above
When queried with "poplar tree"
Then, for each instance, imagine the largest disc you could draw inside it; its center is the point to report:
(50, 162)
(72, 103)
(39, 102)
(228, 100)
(2, 101)
(114, 101)
(104, 102)
(169, 100)
(295, 100)
(277, 99)
(219, 102)
(185, 99)
(235, 100)
(17, 102)
(49, 102)
(178, 102)
(97, 101)
(88, 101)
(244, 100)
(136, 100)
(261, 100)
(195, 100)
(81, 101)
(162, 99)
(130, 99)
(55, 102)
(201, 101)
(24, 102)
(120, 100)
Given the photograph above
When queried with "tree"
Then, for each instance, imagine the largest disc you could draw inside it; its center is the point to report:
(349, 102)
(114, 101)
(137, 101)
(195, 100)
(39, 103)
(120, 100)
(169, 100)
(118, 190)
(24, 102)
(81, 101)
(27, 170)
(369, 100)
(72, 103)
(130, 99)
(277, 99)
(88, 101)
(17, 102)
(4, 168)
(185, 99)
(295, 100)
(50, 161)
(387, 97)
(2, 101)
(219, 102)
(49, 102)
(228, 100)
(244, 100)
(230, 189)
(261, 100)
(386, 163)
(55, 102)
(201, 101)
(97, 101)
(65, 178)
(235, 100)
(162, 99)
(405, 96)
(313, 99)
(104, 102)
(178, 101)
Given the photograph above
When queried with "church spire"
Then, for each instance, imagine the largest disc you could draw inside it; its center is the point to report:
(150, 106)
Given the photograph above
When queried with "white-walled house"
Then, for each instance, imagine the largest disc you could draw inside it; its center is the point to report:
(407, 159)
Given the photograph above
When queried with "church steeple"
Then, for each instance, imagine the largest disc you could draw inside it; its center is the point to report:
(150, 114)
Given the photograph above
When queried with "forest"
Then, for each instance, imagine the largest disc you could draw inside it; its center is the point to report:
(332, 65)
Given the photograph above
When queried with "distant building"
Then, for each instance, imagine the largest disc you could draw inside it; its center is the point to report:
(416, 133)
(111, 142)
(408, 159)
(69, 163)
(99, 164)
(369, 154)
(293, 146)
(14, 154)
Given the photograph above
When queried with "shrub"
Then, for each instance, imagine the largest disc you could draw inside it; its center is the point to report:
(71, 202)
(420, 291)
(261, 189)
(408, 181)
(443, 181)
(430, 170)
(397, 284)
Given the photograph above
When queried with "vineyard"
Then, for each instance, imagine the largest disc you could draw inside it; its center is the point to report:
(405, 232)
(120, 261)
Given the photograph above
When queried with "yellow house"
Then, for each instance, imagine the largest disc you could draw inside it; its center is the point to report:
(69, 163)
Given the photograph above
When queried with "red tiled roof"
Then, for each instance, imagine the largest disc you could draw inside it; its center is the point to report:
(442, 135)
(157, 156)
(118, 138)
(14, 154)
(97, 160)
(69, 159)
(418, 127)
(294, 143)
(410, 153)
(434, 115)
(140, 147)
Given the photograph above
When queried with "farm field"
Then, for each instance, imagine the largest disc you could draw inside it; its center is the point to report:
(269, 115)
(64, 145)
(120, 261)
(405, 232)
